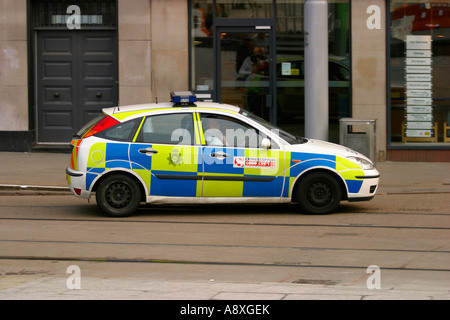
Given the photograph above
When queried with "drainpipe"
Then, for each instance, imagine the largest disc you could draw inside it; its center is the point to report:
(316, 69)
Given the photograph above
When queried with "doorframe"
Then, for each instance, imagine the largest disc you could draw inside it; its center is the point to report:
(79, 108)
(251, 26)
(32, 31)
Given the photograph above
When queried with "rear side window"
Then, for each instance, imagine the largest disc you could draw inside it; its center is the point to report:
(175, 128)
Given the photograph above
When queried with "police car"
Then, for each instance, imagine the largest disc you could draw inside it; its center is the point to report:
(189, 152)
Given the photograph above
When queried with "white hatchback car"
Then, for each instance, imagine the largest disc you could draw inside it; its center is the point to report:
(204, 152)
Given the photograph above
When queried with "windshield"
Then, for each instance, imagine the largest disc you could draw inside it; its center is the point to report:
(286, 136)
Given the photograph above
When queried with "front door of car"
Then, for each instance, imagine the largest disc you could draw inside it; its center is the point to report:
(165, 156)
(234, 162)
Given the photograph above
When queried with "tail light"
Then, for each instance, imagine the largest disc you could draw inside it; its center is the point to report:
(104, 123)
(74, 156)
(94, 126)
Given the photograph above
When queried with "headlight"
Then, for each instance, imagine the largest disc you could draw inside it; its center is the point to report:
(363, 163)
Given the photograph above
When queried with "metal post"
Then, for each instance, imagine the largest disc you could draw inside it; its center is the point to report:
(316, 69)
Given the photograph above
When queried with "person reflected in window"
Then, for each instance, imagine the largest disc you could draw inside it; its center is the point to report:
(213, 134)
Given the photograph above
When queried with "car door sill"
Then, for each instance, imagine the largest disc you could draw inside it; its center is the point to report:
(200, 200)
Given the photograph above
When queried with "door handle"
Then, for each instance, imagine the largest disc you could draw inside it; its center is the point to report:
(219, 155)
(148, 151)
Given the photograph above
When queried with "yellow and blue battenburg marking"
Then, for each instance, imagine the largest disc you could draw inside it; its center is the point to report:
(299, 162)
(182, 170)
(234, 172)
(193, 171)
(170, 171)
(206, 171)
(104, 156)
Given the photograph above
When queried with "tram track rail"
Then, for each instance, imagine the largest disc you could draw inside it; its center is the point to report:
(217, 263)
(109, 220)
(224, 246)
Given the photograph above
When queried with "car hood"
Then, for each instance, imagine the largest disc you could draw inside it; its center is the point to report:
(323, 147)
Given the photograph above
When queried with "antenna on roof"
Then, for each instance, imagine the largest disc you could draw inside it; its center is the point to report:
(154, 85)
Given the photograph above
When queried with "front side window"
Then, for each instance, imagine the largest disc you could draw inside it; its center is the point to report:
(229, 132)
(286, 136)
(419, 69)
(168, 129)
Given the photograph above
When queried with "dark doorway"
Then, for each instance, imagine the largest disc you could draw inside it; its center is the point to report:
(76, 78)
(244, 72)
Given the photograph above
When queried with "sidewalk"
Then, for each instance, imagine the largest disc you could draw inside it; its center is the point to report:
(54, 288)
(48, 170)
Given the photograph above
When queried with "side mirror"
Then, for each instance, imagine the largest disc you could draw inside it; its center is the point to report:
(265, 143)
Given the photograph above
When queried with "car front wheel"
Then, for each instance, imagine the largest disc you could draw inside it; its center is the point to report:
(118, 195)
(319, 193)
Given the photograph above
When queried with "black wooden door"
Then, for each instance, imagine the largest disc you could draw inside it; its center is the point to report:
(76, 78)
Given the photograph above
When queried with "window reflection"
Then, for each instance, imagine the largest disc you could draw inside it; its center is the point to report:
(420, 65)
(244, 9)
(237, 69)
(202, 54)
(290, 80)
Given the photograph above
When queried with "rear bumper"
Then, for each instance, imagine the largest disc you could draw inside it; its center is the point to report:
(76, 181)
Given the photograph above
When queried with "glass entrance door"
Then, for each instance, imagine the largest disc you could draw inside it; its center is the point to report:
(244, 60)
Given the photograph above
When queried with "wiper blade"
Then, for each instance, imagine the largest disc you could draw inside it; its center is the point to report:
(301, 139)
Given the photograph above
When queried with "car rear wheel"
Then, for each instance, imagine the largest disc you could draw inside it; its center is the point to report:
(118, 195)
(319, 193)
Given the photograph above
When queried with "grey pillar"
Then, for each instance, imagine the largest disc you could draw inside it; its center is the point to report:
(316, 69)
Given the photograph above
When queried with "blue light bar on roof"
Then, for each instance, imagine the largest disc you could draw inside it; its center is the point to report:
(182, 97)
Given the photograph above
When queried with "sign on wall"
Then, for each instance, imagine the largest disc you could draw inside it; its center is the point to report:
(418, 69)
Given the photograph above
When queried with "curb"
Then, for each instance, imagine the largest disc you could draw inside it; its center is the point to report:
(394, 192)
(13, 189)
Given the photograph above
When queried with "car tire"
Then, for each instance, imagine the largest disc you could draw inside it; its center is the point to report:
(118, 195)
(318, 193)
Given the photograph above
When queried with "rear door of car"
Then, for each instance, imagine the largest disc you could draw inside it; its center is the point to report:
(166, 156)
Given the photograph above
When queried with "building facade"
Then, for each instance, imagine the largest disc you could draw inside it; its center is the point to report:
(62, 61)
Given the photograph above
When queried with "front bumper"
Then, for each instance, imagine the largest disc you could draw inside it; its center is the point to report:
(369, 187)
(76, 181)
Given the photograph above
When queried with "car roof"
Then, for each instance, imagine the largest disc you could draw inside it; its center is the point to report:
(123, 112)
